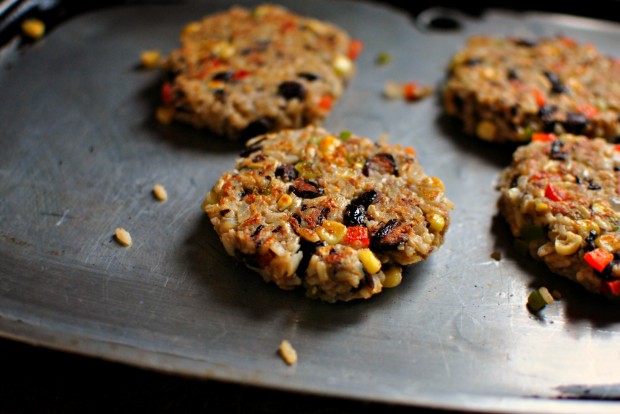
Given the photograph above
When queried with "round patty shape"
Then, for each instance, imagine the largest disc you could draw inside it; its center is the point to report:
(337, 215)
(561, 197)
(242, 72)
(505, 89)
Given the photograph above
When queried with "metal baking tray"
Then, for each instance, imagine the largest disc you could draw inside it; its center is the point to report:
(81, 151)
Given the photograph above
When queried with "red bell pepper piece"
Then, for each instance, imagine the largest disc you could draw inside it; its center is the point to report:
(355, 48)
(166, 93)
(554, 194)
(240, 74)
(358, 236)
(598, 259)
(611, 287)
(326, 102)
(544, 137)
(540, 98)
(409, 90)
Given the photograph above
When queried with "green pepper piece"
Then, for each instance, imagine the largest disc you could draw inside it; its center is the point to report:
(535, 301)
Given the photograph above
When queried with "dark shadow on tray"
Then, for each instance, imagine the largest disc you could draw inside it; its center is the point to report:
(499, 154)
(178, 134)
(232, 285)
(579, 304)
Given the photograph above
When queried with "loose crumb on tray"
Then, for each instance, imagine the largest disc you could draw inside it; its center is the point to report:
(150, 59)
(159, 192)
(123, 237)
(287, 352)
(408, 91)
(33, 28)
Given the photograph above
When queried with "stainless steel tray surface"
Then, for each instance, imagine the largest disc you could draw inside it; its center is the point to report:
(81, 151)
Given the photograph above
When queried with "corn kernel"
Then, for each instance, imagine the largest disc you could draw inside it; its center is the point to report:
(486, 130)
(223, 50)
(393, 277)
(164, 115)
(328, 144)
(191, 28)
(150, 59)
(284, 202)
(437, 222)
(568, 245)
(332, 232)
(33, 28)
(343, 65)
(370, 262)
(541, 207)
(307, 234)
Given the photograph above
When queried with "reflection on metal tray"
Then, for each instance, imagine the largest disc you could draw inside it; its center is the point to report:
(81, 151)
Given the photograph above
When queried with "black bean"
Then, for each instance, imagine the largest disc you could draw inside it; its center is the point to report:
(220, 95)
(257, 231)
(223, 76)
(307, 249)
(545, 113)
(381, 163)
(306, 188)
(515, 181)
(286, 172)
(311, 77)
(590, 245)
(354, 215)
(388, 237)
(512, 74)
(556, 150)
(472, 61)
(459, 103)
(525, 42)
(292, 90)
(575, 123)
(258, 127)
(606, 274)
(365, 199)
(556, 84)
(250, 150)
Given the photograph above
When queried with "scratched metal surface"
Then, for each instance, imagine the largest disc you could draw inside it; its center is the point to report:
(81, 151)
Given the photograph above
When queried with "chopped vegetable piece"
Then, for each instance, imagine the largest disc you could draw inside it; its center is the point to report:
(355, 48)
(611, 287)
(393, 277)
(540, 98)
(370, 262)
(357, 236)
(326, 102)
(166, 93)
(345, 135)
(554, 194)
(150, 59)
(535, 301)
(383, 59)
(544, 137)
(409, 90)
(598, 259)
(546, 295)
(240, 74)
(33, 28)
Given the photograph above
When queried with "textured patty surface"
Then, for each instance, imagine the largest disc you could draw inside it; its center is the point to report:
(561, 197)
(337, 215)
(504, 89)
(242, 72)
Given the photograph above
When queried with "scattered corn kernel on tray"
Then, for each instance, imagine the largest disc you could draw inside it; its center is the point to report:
(98, 261)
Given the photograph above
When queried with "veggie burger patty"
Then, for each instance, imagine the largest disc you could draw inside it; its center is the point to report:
(505, 89)
(561, 197)
(337, 215)
(244, 72)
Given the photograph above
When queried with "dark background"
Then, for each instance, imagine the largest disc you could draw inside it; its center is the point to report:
(40, 380)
